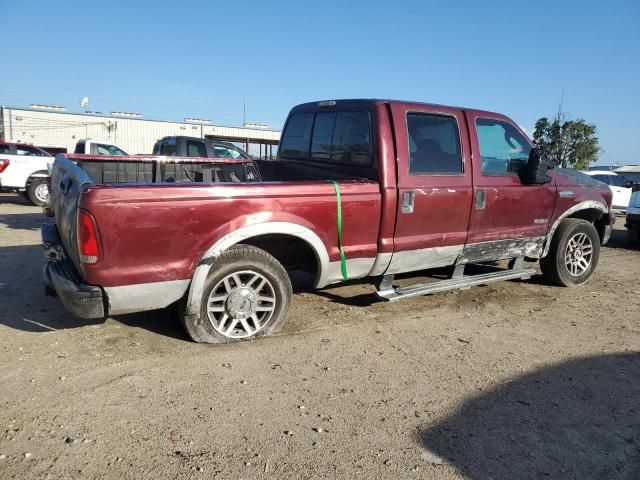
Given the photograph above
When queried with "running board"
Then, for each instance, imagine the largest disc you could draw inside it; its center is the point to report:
(391, 293)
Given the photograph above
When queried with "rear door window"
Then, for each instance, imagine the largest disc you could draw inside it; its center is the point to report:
(5, 150)
(434, 144)
(196, 149)
(168, 148)
(221, 151)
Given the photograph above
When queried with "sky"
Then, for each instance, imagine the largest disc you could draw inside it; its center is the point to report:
(170, 60)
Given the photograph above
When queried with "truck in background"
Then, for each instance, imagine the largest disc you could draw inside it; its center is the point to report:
(25, 169)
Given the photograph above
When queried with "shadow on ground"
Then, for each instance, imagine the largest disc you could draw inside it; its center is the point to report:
(620, 239)
(576, 420)
(24, 306)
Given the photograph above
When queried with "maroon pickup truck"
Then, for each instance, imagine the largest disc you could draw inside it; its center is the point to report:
(361, 188)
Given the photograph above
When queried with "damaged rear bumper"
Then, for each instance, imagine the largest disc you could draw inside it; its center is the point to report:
(84, 301)
(60, 279)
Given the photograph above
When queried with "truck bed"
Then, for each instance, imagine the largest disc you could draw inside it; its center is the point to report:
(159, 232)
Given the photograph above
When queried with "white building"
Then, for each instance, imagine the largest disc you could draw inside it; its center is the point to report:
(56, 129)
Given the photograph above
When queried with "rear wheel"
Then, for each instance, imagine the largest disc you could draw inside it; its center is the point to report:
(573, 253)
(246, 296)
(38, 191)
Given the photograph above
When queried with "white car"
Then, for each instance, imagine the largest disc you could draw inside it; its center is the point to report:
(618, 185)
(87, 146)
(25, 168)
(633, 216)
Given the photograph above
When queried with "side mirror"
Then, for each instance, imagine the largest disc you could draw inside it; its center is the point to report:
(535, 171)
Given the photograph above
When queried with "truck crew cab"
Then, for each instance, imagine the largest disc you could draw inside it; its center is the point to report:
(361, 188)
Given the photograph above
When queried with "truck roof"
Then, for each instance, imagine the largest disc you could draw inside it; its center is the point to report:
(373, 101)
(153, 158)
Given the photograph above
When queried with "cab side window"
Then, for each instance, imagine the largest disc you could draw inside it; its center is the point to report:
(168, 147)
(28, 151)
(503, 149)
(196, 149)
(434, 145)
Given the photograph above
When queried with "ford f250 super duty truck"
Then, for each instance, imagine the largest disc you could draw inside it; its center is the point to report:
(361, 188)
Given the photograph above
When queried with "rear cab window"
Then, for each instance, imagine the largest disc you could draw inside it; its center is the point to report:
(338, 137)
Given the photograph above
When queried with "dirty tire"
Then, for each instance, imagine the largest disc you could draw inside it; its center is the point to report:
(35, 191)
(243, 262)
(554, 266)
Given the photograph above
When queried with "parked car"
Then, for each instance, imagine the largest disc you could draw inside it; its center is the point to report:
(620, 188)
(87, 146)
(361, 188)
(181, 146)
(24, 168)
(633, 215)
(631, 173)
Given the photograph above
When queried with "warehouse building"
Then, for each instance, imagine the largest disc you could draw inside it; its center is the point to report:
(57, 130)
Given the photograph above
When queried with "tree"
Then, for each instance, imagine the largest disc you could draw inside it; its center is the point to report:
(567, 143)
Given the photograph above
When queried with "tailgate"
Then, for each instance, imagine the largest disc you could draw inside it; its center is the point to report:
(68, 181)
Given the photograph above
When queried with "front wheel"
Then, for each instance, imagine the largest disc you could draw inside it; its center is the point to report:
(246, 296)
(38, 191)
(573, 253)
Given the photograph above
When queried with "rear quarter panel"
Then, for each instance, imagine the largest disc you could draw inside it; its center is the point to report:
(160, 233)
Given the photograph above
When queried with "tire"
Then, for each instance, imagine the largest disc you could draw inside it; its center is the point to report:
(572, 264)
(634, 236)
(38, 191)
(250, 288)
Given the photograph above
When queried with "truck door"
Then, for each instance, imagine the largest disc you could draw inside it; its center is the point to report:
(508, 219)
(434, 186)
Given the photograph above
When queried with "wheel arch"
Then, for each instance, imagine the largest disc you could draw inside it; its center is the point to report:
(37, 174)
(590, 210)
(270, 234)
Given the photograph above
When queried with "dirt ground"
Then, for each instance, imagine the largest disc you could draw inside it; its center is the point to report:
(509, 381)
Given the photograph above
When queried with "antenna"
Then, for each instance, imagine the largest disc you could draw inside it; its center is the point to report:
(84, 103)
(244, 110)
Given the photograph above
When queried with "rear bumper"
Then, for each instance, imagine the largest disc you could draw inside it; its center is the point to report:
(59, 276)
(84, 301)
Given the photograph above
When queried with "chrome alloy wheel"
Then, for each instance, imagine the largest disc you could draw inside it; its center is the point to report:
(579, 254)
(241, 304)
(42, 192)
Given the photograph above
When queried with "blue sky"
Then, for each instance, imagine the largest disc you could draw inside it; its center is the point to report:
(170, 60)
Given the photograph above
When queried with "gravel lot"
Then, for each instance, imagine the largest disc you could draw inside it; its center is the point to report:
(509, 381)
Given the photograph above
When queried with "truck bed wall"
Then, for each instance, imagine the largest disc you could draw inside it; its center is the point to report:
(153, 233)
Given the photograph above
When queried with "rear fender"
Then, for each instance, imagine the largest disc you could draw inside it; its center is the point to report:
(196, 290)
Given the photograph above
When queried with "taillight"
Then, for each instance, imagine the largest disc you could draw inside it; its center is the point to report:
(4, 163)
(88, 240)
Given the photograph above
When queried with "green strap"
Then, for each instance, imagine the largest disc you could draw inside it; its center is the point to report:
(343, 259)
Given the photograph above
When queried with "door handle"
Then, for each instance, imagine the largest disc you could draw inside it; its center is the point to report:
(408, 201)
(481, 199)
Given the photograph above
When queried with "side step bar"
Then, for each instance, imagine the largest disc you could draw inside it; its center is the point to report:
(459, 281)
